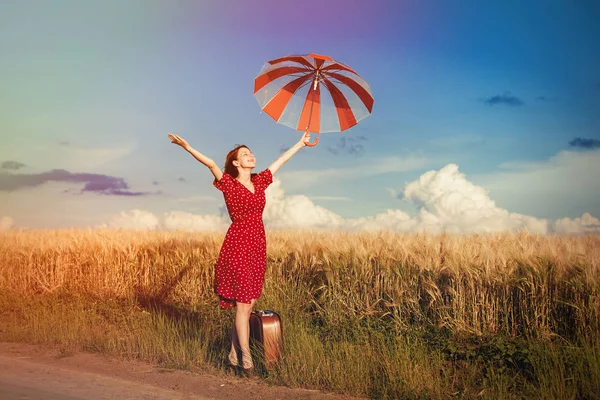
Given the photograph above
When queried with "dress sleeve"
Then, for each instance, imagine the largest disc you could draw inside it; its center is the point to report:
(264, 178)
(225, 184)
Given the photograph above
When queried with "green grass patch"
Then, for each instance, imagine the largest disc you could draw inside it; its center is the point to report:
(364, 357)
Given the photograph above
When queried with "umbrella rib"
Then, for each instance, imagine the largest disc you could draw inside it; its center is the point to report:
(292, 58)
(362, 93)
(344, 112)
(277, 104)
(298, 75)
(272, 75)
(338, 67)
(310, 119)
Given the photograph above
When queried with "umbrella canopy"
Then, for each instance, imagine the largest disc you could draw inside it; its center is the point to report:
(313, 93)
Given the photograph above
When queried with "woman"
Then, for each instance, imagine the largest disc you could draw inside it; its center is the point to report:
(240, 268)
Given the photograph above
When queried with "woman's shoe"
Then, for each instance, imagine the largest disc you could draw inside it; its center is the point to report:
(247, 372)
(230, 366)
(230, 362)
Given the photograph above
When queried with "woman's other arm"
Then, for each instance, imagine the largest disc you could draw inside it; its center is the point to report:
(289, 153)
(212, 166)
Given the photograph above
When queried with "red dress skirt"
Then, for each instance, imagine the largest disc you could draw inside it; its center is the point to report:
(240, 268)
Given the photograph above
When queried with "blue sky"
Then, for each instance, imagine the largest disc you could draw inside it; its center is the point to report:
(499, 102)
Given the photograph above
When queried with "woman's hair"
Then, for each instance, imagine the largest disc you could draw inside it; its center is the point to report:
(231, 157)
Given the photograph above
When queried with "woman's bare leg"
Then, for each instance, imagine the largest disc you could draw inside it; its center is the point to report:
(242, 327)
(235, 354)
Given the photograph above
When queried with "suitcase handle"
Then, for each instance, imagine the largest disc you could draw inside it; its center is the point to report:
(265, 313)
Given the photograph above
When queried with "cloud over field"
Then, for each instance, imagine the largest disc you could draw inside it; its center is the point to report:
(449, 202)
(133, 219)
(446, 201)
(585, 224)
(296, 212)
(174, 220)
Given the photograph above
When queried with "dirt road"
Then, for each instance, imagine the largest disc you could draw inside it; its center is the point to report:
(36, 373)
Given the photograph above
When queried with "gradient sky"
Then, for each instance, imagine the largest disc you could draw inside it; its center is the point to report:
(486, 116)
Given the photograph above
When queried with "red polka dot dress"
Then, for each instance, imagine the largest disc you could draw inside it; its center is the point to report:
(240, 268)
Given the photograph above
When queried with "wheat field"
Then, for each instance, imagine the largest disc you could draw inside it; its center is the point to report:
(379, 314)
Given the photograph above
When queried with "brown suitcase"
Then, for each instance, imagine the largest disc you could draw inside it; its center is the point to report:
(265, 328)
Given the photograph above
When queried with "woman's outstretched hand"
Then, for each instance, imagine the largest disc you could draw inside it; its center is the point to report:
(178, 140)
(214, 168)
(305, 139)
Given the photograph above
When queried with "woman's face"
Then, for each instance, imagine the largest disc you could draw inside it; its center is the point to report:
(245, 158)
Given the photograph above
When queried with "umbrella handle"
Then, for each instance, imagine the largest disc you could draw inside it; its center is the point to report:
(313, 143)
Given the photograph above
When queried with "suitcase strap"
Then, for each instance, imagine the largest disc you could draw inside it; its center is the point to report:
(265, 313)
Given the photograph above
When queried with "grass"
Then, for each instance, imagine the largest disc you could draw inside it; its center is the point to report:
(380, 315)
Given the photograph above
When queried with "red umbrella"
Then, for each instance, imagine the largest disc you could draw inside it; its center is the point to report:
(313, 93)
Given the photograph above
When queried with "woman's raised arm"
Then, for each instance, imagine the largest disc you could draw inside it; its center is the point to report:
(288, 154)
(214, 168)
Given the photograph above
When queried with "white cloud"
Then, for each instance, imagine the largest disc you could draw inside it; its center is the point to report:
(296, 212)
(585, 224)
(448, 201)
(179, 220)
(133, 219)
(281, 212)
(6, 223)
(173, 220)
(565, 181)
(394, 220)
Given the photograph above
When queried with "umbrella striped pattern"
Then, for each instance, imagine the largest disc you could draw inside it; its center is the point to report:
(313, 93)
